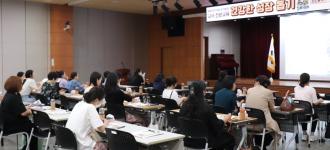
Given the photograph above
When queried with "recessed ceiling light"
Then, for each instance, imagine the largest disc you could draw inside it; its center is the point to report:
(116, 2)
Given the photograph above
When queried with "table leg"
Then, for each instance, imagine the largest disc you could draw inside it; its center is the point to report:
(152, 119)
(295, 131)
(244, 135)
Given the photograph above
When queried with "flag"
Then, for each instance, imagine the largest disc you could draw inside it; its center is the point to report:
(271, 57)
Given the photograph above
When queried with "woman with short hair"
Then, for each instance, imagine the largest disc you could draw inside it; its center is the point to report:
(62, 80)
(21, 75)
(73, 83)
(49, 89)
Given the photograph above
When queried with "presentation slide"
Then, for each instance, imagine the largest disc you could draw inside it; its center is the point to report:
(305, 46)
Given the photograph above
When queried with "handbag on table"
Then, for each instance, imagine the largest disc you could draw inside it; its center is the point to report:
(287, 103)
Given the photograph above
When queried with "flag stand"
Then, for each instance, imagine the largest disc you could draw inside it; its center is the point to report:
(271, 77)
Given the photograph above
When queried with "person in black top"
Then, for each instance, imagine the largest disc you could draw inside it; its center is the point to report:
(218, 85)
(196, 108)
(138, 78)
(21, 75)
(13, 112)
(116, 96)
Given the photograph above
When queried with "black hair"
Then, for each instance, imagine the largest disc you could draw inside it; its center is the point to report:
(105, 74)
(228, 82)
(111, 83)
(60, 73)
(29, 73)
(136, 74)
(159, 77)
(120, 76)
(263, 80)
(222, 75)
(304, 79)
(20, 74)
(52, 75)
(233, 78)
(93, 94)
(94, 77)
(172, 80)
(73, 74)
(195, 103)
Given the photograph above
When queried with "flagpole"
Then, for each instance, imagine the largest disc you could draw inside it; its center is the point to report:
(271, 74)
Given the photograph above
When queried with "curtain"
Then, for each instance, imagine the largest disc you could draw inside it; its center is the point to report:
(255, 42)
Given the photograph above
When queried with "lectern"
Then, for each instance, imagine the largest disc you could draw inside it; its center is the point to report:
(125, 72)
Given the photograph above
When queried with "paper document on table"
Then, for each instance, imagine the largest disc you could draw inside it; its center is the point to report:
(51, 112)
(115, 126)
(146, 133)
(223, 117)
(78, 96)
(137, 104)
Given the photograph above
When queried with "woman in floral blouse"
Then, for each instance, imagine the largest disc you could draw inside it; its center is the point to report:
(49, 89)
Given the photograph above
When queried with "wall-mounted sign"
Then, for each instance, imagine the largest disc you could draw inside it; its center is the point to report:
(263, 8)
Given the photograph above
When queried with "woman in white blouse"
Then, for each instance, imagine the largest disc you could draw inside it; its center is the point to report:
(84, 118)
(307, 93)
(169, 93)
(29, 85)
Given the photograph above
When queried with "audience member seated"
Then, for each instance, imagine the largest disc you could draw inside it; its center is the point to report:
(169, 93)
(218, 85)
(196, 108)
(63, 79)
(115, 96)
(120, 76)
(28, 86)
(226, 98)
(95, 81)
(104, 79)
(14, 114)
(306, 93)
(260, 97)
(138, 78)
(84, 119)
(49, 89)
(159, 83)
(73, 83)
(21, 75)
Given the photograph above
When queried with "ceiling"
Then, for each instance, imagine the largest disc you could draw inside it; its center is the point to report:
(130, 6)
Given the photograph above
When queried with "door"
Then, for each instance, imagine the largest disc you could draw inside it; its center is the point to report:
(167, 61)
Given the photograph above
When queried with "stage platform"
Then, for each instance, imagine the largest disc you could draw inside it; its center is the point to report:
(279, 85)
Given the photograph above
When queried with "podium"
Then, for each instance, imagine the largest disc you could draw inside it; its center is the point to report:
(125, 72)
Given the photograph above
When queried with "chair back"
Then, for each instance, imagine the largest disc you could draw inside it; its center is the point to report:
(178, 87)
(172, 119)
(41, 120)
(42, 99)
(219, 109)
(1, 122)
(156, 99)
(327, 96)
(278, 101)
(257, 113)
(170, 104)
(154, 92)
(306, 106)
(193, 128)
(65, 138)
(149, 84)
(129, 79)
(64, 102)
(117, 111)
(120, 140)
(57, 85)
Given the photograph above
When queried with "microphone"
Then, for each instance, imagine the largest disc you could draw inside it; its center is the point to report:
(123, 65)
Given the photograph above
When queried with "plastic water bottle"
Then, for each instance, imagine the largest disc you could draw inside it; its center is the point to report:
(101, 113)
(52, 104)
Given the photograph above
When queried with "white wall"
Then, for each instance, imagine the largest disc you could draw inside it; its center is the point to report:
(224, 34)
(103, 39)
(23, 38)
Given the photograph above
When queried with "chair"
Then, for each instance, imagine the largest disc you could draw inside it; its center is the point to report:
(43, 126)
(278, 101)
(257, 113)
(308, 110)
(64, 102)
(170, 104)
(178, 87)
(42, 99)
(172, 120)
(120, 140)
(6, 135)
(117, 111)
(156, 99)
(65, 138)
(57, 85)
(219, 109)
(129, 79)
(194, 129)
(154, 92)
(326, 96)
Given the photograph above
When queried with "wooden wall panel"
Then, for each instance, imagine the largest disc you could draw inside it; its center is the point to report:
(61, 41)
(187, 51)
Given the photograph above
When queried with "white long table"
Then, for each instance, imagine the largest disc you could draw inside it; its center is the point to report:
(172, 140)
(58, 117)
